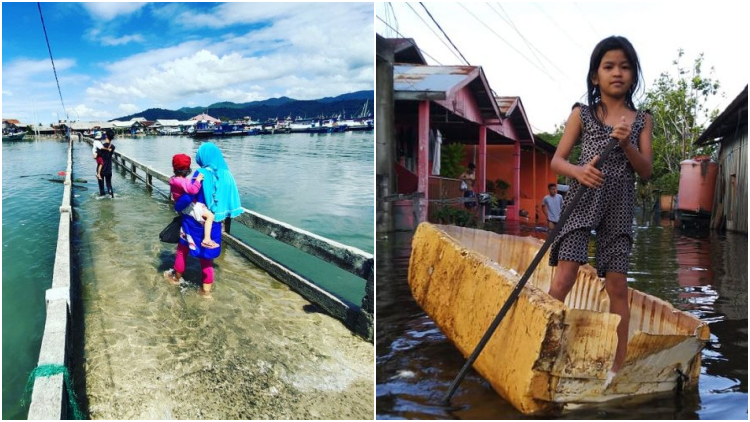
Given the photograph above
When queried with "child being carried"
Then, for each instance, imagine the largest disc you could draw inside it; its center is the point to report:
(179, 185)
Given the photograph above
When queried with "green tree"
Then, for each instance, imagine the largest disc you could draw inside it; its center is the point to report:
(451, 156)
(678, 104)
(554, 139)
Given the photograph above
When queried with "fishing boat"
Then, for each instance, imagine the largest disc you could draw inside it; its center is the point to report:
(169, 131)
(358, 124)
(546, 354)
(363, 121)
(203, 129)
(307, 126)
(13, 136)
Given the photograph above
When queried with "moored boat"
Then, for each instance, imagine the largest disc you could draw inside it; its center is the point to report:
(15, 136)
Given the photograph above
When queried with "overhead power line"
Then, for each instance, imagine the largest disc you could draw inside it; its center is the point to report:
(446, 35)
(39, 6)
(434, 33)
(412, 43)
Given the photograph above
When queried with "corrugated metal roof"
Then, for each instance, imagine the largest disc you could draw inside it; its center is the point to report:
(728, 121)
(204, 116)
(505, 103)
(442, 84)
(512, 109)
(405, 50)
(167, 122)
(401, 43)
(430, 78)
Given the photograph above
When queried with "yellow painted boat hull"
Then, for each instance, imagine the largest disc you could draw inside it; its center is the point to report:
(546, 353)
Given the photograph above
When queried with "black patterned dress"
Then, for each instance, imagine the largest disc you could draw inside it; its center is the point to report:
(609, 209)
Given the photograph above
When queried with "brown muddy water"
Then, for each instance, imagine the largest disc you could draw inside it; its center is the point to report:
(704, 273)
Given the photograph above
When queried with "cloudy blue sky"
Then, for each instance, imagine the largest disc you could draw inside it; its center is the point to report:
(115, 59)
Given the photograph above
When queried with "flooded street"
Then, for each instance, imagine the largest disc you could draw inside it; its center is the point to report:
(704, 273)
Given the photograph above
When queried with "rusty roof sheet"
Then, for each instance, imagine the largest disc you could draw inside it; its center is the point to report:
(505, 103)
(430, 78)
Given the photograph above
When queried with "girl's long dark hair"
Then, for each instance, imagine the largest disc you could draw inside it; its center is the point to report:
(594, 94)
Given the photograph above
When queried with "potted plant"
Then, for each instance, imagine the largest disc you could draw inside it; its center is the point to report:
(502, 187)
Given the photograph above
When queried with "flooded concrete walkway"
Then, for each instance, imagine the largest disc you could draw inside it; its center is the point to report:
(154, 351)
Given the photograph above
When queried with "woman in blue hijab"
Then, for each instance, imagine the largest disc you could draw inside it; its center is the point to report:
(219, 188)
(219, 193)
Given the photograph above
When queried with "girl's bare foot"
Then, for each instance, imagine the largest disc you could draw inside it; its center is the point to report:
(204, 293)
(170, 277)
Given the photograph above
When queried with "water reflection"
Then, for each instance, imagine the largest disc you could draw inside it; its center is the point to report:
(322, 183)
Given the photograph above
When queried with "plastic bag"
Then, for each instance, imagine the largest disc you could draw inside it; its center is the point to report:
(171, 233)
(464, 186)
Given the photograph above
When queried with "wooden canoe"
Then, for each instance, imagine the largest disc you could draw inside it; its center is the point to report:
(546, 353)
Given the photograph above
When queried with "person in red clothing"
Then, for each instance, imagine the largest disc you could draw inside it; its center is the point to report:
(179, 185)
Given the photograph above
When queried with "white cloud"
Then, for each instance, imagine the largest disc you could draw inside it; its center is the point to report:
(98, 35)
(107, 40)
(29, 105)
(239, 13)
(261, 50)
(107, 92)
(19, 72)
(84, 113)
(204, 71)
(320, 86)
(109, 11)
(326, 57)
(129, 108)
(241, 95)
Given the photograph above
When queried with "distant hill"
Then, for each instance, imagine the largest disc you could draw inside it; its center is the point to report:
(227, 104)
(162, 113)
(359, 95)
(348, 104)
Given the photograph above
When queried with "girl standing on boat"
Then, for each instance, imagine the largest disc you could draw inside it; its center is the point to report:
(608, 206)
